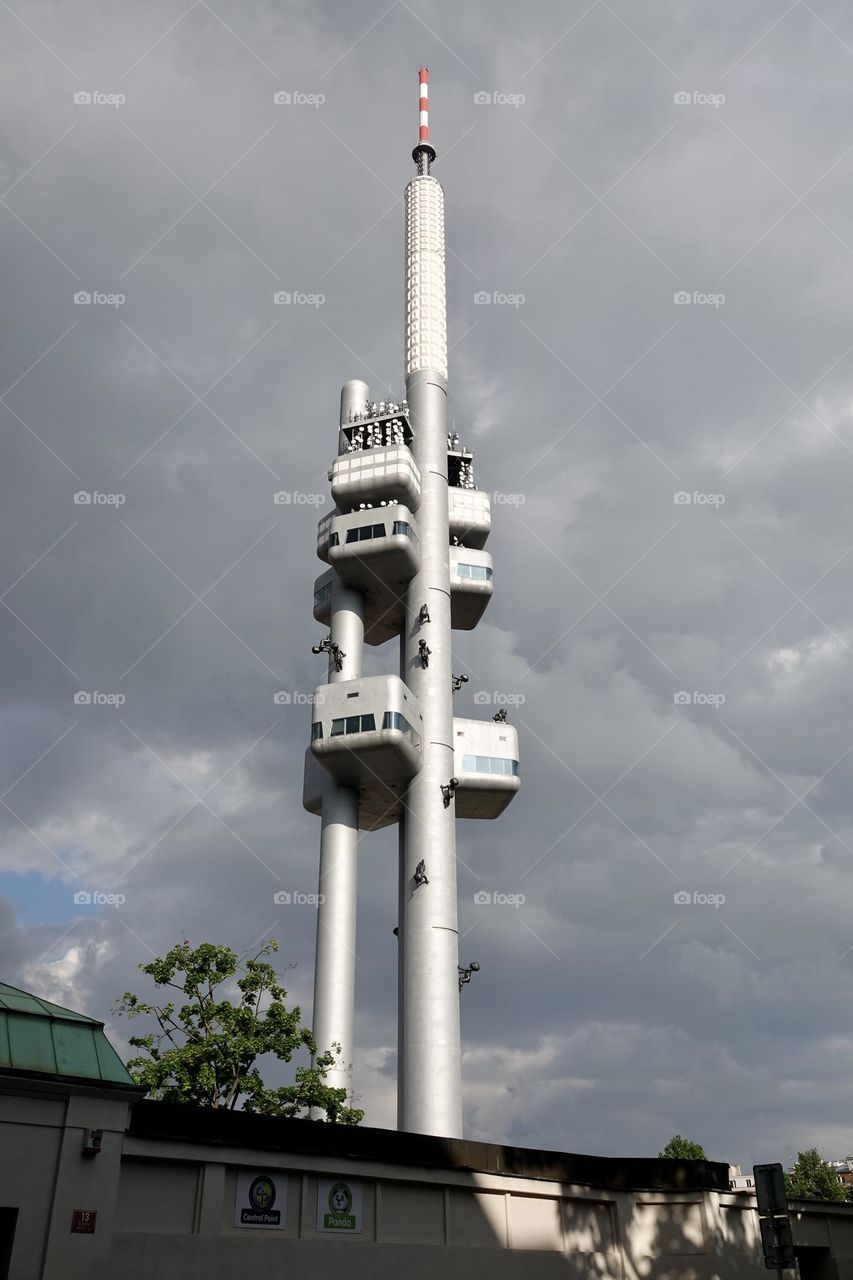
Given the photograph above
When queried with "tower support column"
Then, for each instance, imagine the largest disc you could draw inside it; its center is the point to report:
(334, 965)
(429, 1067)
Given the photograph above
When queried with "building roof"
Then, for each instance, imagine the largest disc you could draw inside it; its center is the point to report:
(43, 1039)
(173, 1122)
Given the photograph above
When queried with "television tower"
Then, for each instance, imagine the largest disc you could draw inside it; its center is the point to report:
(404, 545)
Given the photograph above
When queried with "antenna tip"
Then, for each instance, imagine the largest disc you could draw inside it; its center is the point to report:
(424, 152)
(423, 105)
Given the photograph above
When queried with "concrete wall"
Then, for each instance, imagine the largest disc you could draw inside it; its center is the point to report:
(415, 1222)
(166, 1211)
(44, 1175)
(31, 1141)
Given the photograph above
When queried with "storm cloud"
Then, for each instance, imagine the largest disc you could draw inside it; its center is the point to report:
(651, 352)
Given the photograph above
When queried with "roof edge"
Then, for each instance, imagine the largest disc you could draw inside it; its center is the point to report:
(22, 1074)
(166, 1121)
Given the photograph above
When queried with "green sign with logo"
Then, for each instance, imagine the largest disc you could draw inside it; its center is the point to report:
(261, 1200)
(339, 1205)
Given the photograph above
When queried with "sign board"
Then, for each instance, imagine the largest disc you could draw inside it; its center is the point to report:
(340, 1206)
(770, 1190)
(777, 1243)
(261, 1200)
(83, 1221)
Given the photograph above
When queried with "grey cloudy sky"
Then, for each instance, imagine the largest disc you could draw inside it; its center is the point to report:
(628, 154)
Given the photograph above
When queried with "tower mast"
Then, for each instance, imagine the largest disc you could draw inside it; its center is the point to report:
(404, 545)
(429, 1091)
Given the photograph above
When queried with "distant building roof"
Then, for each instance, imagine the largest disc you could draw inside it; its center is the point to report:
(41, 1038)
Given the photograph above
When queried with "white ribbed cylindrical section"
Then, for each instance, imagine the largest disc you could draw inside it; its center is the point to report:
(426, 304)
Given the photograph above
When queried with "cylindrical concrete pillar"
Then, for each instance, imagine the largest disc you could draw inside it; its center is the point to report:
(354, 396)
(334, 967)
(346, 631)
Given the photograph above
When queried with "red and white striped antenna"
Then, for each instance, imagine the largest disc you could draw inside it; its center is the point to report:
(424, 153)
(423, 105)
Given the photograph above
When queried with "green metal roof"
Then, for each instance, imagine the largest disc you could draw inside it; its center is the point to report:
(38, 1036)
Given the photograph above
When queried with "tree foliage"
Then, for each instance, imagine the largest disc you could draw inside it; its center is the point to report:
(679, 1148)
(813, 1179)
(206, 1049)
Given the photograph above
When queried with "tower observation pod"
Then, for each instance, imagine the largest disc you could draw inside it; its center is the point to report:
(403, 558)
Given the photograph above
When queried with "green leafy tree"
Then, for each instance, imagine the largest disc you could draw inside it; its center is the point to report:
(812, 1179)
(206, 1048)
(679, 1148)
